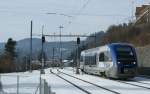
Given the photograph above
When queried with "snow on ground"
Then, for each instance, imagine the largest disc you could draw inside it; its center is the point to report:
(28, 82)
(142, 79)
(87, 86)
(60, 86)
(111, 84)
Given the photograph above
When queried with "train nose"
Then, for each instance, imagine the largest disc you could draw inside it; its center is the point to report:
(121, 70)
(125, 70)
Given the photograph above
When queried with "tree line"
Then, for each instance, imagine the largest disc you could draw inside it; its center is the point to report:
(11, 62)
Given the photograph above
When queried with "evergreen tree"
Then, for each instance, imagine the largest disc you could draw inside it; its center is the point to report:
(7, 58)
(10, 49)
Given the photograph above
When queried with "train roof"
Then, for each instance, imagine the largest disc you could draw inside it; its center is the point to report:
(121, 44)
(94, 50)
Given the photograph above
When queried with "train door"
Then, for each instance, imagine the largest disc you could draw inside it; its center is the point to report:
(81, 62)
(101, 63)
(105, 62)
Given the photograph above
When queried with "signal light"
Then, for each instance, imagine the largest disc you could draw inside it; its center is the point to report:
(43, 39)
(78, 40)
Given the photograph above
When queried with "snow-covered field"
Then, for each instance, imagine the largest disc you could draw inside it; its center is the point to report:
(61, 83)
(27, 82)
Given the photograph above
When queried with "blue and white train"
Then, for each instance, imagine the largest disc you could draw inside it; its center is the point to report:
(116, 60)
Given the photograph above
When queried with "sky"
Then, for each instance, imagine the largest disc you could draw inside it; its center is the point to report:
(76, 16)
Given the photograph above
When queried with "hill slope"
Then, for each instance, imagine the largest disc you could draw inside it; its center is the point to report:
(23, 48)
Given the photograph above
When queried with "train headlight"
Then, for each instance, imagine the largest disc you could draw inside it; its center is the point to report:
(134, 62)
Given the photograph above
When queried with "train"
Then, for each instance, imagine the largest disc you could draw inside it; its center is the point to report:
(114, 60)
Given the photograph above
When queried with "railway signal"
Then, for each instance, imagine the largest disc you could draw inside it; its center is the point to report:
(43, 39)
(42, 55)
(77, 68)
(78, 40)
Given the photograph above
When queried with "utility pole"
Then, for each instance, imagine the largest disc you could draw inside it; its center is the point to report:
(26, 63)
(78, 62)
(95, 40)
(132, 10)
(17, 84)
(53, 54)
(60, 28)
(31, 48)
(42, 55)
(42, 61)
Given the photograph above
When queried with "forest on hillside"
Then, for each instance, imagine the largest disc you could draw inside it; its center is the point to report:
(138, 35)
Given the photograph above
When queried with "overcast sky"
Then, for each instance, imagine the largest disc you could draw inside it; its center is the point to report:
(82, 16)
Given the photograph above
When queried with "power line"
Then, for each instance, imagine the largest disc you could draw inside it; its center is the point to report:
(62, 14)
(84, 6)
(111, 15)
(79, 12)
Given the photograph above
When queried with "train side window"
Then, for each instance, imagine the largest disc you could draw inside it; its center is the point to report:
(81, 58)
(101, 57)
(107, 56)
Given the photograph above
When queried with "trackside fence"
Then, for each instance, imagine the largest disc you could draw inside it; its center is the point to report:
(24, 84)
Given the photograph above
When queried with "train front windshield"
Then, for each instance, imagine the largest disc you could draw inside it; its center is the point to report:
(125, 54)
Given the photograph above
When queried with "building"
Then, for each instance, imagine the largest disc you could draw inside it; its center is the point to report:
(142, 14)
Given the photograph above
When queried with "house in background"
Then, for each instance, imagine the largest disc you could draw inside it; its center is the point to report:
(142, 14)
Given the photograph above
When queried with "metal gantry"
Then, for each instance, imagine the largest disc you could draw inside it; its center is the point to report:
(78, 36)
(71, 35)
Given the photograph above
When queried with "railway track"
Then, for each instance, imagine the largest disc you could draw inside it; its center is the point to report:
(135, 84)
(124, 82)
(139, 82)
(145, 76)
(101, 87)
(80, 88)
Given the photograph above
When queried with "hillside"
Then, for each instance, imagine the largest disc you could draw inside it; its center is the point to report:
(23, 48)
(137, 35)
